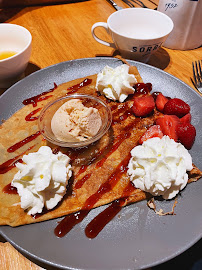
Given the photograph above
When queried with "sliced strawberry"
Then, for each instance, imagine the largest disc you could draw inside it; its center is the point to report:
(153, 131)
(186, 134)
(168, 124)
(176, 106)
(143, 106)
(161, 100)
(186, 118)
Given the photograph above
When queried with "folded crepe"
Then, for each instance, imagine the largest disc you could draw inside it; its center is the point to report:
(99, 171)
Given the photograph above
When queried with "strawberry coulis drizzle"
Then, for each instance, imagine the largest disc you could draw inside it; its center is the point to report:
(28, 139)
(9, 189)
(30, 117)
(103, 218)
(108, 148)
(10, 164)
(120, 138)
(81, 182)
(76, 87)
(40, 97)
(73, 219)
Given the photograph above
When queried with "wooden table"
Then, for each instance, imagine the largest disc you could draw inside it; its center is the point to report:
(62, 32)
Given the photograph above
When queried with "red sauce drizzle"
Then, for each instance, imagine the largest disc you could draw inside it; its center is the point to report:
(143, 88)
(81, 182)
(120, 138)
(122, 117)
(126, 113)
(9, 164)
(56, 150)
(102, 219)
(30, 117)
(33, 100)
(114, 107)
(121, 109)
(23, 142)
(109, 184)
(88, 102)
(71, 220)
(10, 189)
(82, 169)
(76, 87)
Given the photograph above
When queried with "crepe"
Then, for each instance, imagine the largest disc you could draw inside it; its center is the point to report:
(99, 171)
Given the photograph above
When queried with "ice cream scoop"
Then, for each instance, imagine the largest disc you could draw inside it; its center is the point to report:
(75, 122)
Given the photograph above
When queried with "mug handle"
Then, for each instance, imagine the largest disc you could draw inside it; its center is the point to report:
(105, 26)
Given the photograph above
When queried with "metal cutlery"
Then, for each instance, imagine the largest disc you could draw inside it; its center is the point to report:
(197, 73)
(138, 2)
(130, 3)
(114, 5)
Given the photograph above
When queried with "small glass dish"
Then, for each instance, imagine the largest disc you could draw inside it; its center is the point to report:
(46, 115)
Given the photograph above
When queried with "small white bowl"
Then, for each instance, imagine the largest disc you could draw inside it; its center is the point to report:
(18, 39)
(46, 115)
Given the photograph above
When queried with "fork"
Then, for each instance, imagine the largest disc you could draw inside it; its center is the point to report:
(114, 5)
(138, 2)
(197, 72)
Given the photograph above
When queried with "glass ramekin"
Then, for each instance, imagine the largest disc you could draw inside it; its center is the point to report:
(44, 121)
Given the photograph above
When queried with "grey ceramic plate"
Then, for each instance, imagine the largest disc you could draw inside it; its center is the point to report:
(135, 239)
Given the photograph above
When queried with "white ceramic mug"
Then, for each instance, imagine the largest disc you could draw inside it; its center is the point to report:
(136, 32)
(14, 38)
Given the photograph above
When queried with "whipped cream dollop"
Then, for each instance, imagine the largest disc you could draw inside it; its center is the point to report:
(42, 179)
(159, 167)
(116, 83)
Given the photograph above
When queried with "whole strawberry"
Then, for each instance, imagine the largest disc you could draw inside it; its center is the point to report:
(186, 134)
(176, 106)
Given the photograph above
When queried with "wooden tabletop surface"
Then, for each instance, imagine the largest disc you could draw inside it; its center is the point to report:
(62, 32)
